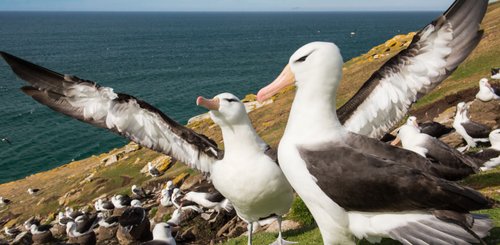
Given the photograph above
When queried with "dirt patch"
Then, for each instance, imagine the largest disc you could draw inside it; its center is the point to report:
(125, 180)
(428, 112)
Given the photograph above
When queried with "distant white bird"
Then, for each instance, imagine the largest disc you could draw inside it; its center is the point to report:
(12, 231)
(33, 191)
(63, 219)
(495, 73)
(489, 158)
(121, 201)
(136, 203)
(134, 222)
(107, 221)
(105, 206)
(215, 201)
(486, 91)
(4, 201)
(139, 192)
(162, 235)
(153, 171)
(41, 234)
(471, 131)
(166, 194)
(175, 218)
(29, 222)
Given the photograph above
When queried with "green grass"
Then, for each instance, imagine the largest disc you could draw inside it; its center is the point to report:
(300, 213)
(305, 235)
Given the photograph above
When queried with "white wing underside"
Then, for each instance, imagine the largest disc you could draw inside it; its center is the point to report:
(138, 124)
(390, 101)
(434, 53)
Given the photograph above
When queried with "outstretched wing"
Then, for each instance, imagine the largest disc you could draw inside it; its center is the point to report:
(434, 53)
(121, 113)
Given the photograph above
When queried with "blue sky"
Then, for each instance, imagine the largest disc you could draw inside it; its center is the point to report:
(225, 5)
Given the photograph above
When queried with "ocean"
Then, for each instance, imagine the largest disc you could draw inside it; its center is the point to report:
(166, 59)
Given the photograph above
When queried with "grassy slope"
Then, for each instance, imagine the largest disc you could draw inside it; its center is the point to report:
(269, 122)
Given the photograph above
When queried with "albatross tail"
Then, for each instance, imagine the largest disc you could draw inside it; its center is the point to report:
(419, 228)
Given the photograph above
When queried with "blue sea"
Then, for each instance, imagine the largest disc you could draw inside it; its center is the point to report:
(166, 59)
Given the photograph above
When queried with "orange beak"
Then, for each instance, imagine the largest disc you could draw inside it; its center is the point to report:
(396, 141)
(210, 104)
(285, 79)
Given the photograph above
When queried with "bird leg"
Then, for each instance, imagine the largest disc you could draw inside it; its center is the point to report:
(250, 227)
(280, 240)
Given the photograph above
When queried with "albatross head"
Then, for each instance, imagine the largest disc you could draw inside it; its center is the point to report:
(483, 83)
(162, 231)
(495, 138)
(225, 109)
(316, 65)
(412, 121)
(461, 110)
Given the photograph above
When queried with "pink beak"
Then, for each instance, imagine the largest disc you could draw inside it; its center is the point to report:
(488, 85)
(285, 79)
(210, 104)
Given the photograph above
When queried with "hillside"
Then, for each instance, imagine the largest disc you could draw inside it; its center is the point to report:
(78, 183)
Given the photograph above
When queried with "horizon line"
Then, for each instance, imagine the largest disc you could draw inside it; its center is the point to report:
(220, 11)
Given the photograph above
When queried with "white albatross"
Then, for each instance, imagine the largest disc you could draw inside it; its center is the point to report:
(486, 91)
(436, 151)
(470, 131)
(243, 172)
(162, 235)
(360, 187)
(489, 158)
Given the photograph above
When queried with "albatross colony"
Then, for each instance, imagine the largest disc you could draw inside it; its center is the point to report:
(355, 186)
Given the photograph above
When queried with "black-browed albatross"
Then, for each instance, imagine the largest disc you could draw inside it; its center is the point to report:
(436, 151)
(352, 189)
(359, 187)
(490, 157)
(486, 91)
(243, 172)
(470, 131)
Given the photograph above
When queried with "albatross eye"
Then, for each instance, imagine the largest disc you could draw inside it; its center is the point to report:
(302, 59)
(231, 100)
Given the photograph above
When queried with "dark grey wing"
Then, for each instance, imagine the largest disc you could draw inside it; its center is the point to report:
(485, 155)
(215, 197)
(132, 216)
(405, 157)
(120, 113)
(434, 129)
(476, 130)
(434, 53)
(363, 182)
(155, 172)
(108, 205)
(445, 155)
(86, 224)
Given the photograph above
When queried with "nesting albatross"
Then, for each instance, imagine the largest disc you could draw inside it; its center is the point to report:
(435, 150)
(470, 131)
(486, 91)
